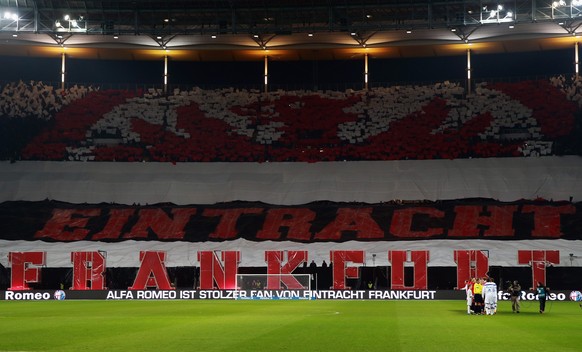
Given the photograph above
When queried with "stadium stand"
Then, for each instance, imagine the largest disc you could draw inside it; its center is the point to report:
(127, 168)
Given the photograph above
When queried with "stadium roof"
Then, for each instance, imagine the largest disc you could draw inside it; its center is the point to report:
(290, 30)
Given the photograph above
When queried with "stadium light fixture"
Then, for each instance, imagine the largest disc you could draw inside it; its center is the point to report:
(70, 24)
(10, 21)
(497, 14)
(10, 16)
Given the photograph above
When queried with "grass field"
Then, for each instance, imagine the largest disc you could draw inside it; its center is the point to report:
(284, 326)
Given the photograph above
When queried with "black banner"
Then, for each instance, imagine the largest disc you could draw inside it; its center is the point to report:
(389, 295)
(314, 222)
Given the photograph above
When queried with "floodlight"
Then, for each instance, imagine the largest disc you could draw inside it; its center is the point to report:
(67, 17)
(58, 24)
(10, 16)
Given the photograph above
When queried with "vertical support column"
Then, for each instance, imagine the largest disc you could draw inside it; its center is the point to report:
(468, 71)
(366, 71)
(266, 75)
(576, 61)
(166, 72)
(63, 62)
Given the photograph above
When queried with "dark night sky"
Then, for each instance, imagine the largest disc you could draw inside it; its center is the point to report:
(289, 74)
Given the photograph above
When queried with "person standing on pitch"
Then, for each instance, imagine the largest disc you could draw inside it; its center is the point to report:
(469, 292)
(478, 296)
(515, 291)
(490, 296)
(542, 292)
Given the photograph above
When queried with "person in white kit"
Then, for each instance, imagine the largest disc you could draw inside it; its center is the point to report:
(469, 291)
(490, 296)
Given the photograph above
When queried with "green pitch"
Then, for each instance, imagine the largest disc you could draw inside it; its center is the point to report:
(284, 326)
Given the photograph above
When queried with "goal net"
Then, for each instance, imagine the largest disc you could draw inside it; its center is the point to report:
(273, 282)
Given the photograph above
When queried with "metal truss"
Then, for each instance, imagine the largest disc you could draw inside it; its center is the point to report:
(167, 18)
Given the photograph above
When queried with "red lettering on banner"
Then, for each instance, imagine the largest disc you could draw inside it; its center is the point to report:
(212, 271)
(64, 219)
(117, 220)
(297, 220)
(89, 267)
(226, 228)
(465, 224)
(498, 224)
(340, 269)
(296, 224)
(358, 220)
(162, 225)
(419, 260)
(88, 271)
(547, 222)
(274, 260)
(22, 273)
(152, 272)
(470, 264)
(539, 260)
(401, 225)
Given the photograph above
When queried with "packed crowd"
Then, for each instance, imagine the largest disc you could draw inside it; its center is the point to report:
(36, 99)
(436, 121)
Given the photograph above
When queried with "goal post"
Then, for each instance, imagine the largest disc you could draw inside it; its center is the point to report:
(273, 282)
